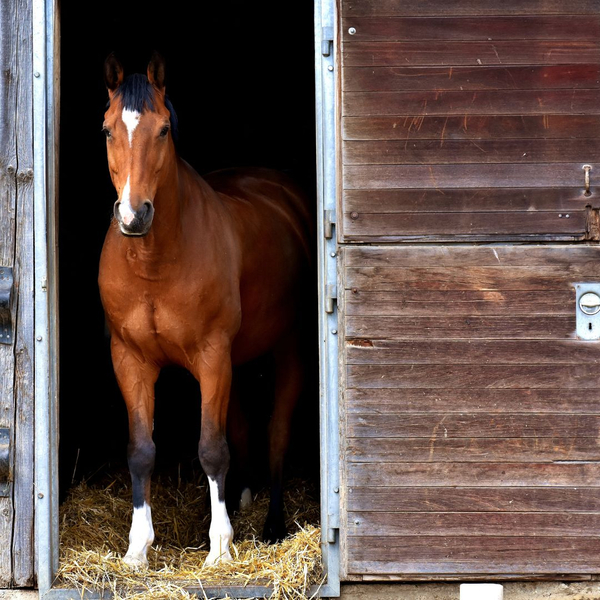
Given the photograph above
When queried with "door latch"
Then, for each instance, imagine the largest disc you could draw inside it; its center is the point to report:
(587, 311)
(6, 287)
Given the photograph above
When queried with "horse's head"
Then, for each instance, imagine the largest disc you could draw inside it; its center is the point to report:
(139, 141)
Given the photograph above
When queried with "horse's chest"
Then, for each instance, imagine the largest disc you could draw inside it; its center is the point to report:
(160, 326)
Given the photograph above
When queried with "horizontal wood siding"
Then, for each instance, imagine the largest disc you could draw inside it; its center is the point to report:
(500, 100)
(471, 412)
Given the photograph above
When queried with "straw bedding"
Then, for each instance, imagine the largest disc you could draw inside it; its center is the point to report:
(95, 524)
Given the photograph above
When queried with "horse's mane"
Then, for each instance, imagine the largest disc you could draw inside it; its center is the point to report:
(136, 93)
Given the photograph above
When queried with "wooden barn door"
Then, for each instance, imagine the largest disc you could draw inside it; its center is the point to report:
(471, 409)
(16, 297)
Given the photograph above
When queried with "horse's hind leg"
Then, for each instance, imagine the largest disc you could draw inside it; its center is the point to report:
(239, 495)
(289, 374)
(136, 380)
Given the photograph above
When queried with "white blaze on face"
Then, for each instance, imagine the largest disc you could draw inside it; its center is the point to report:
(141, 536)
(220, 532)
(131, 118)
(125, 209)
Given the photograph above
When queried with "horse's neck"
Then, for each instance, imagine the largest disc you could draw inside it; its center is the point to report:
(185, 211)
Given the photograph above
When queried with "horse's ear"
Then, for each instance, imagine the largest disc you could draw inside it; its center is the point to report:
(156, 71)
(113, 73)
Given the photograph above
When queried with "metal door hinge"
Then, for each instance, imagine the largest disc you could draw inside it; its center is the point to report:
(329, 220)
(4, 462)
(330, 297)
(326, 40)
(332, 534)
(6, 287)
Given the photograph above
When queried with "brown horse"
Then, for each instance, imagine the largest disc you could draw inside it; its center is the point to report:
(204, 273)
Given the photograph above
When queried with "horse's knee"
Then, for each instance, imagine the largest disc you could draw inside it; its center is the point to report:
(214, 456)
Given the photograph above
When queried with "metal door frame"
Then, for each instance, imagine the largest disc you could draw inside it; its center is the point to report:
(46, 87)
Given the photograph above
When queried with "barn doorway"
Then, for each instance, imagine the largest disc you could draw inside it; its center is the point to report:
(241, 79)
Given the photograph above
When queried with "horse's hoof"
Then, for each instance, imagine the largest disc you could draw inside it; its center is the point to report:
(274, 530)
(216, 557)
(245, 498)
(136, 561)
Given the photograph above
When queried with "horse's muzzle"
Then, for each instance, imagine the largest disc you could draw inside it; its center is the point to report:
(138, 221)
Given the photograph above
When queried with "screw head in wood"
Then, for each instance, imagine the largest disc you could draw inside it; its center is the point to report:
(352, 30)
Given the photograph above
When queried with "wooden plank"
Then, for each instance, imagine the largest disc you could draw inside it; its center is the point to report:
(472, 449)
(472, 474)
(462, 176)
(434, 8)
(471, 78)
(485, 28)
(461, 499)
(445, 426)
(443, 151)
(390, 524)
(457, 53)
(551, 328)
(8, 238)
(483, 352)
(504, 224)
(490, 401)
(497, 277)
(465, 303)
(561, 256)
(466, 554)
(562, 200)
(452, 103)
(471, 127)
(23, 548)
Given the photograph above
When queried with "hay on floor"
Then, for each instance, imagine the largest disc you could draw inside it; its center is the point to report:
(94, 536)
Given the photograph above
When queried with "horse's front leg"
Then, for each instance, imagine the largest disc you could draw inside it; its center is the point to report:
(136, 380)
(214, 373)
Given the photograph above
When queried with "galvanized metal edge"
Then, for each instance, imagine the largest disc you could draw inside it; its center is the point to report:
(46, 450)
(325, 85)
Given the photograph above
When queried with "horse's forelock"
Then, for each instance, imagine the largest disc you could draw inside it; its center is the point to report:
(137, 94)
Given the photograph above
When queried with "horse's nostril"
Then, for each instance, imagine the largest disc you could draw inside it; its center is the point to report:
(145, 210)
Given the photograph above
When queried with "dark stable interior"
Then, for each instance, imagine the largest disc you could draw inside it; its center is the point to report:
(240, 76)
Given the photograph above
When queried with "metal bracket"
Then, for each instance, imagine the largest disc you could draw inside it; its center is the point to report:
(330, 297)
(4, 462)
(326, 40)
(329, 218)
(6, 287)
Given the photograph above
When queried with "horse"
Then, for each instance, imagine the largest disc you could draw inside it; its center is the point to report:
(201, 272)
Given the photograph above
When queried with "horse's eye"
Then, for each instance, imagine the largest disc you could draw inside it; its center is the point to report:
(106, 132)
(164, 131)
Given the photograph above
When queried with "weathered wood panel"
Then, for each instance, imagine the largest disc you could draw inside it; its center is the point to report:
(394, 524)
(471, 411)
(464, 225)
(436, 152)
(399, 401)
(470, 127)
(435, 8)
(470, 499)
(442, 98)
(453, 103)
(522, 27)
(473, 78)
(16, 248)
(446, 426)
(458, 53)
(473, 474)
(460, 352)
(454, 555)
(473, 449)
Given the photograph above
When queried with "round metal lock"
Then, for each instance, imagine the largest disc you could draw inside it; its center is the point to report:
(589, 303)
